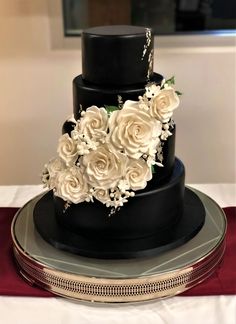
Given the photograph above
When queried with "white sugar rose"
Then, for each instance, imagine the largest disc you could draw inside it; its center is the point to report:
(137, 174)
(93, 123)
(102, 195)
(133, 130)
(67, 149)
(54, 166)
(163, 105)
(71, 186)
(103, 168)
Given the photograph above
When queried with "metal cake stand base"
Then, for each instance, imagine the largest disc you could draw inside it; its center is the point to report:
(81, 278)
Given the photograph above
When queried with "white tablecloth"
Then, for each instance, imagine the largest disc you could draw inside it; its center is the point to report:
(209, 309)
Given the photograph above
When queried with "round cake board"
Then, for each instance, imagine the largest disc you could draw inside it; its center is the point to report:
(99, 247)
(140, 279)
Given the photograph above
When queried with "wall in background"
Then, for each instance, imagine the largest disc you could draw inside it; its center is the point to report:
(36, 98)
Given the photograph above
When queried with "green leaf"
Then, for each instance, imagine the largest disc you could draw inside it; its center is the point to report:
(153, 169)
(171, 80)
(178, 93)
(110, 109)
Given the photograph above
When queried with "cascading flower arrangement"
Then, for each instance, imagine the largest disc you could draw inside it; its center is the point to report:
(111, 151)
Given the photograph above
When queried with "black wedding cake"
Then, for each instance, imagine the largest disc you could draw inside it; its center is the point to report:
(116, 189)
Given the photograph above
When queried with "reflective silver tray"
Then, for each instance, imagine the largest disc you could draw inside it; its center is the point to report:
(82, 278)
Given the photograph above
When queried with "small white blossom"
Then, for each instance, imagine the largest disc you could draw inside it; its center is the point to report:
(74, 135)
(123, 185)
(165, 134)
(82, 148)
(152, 90)
(159, 153)
(150, 161)
(166, 126)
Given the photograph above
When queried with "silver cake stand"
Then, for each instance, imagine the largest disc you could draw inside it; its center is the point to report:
(82, 278)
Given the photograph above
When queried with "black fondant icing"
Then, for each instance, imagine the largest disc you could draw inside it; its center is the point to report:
(168, 149)
(115, 55)
(68, 127)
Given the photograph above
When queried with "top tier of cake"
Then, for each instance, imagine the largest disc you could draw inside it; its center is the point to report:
(117, 55)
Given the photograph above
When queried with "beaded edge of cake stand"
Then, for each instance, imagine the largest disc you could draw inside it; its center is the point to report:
(113, 290)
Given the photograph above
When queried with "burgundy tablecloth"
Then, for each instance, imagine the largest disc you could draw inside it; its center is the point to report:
(222, 282)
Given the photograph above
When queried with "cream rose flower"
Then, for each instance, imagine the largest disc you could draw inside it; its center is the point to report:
(53, 168)
(72, 186)
(103, 168)
(93, 123)
(67, 149)
(163, 104)
(133, 130)
(137, 174)
(102, 195)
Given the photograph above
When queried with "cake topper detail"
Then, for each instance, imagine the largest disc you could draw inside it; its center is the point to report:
(112, 151)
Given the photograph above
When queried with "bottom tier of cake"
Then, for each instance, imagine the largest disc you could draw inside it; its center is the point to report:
(153, 221)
